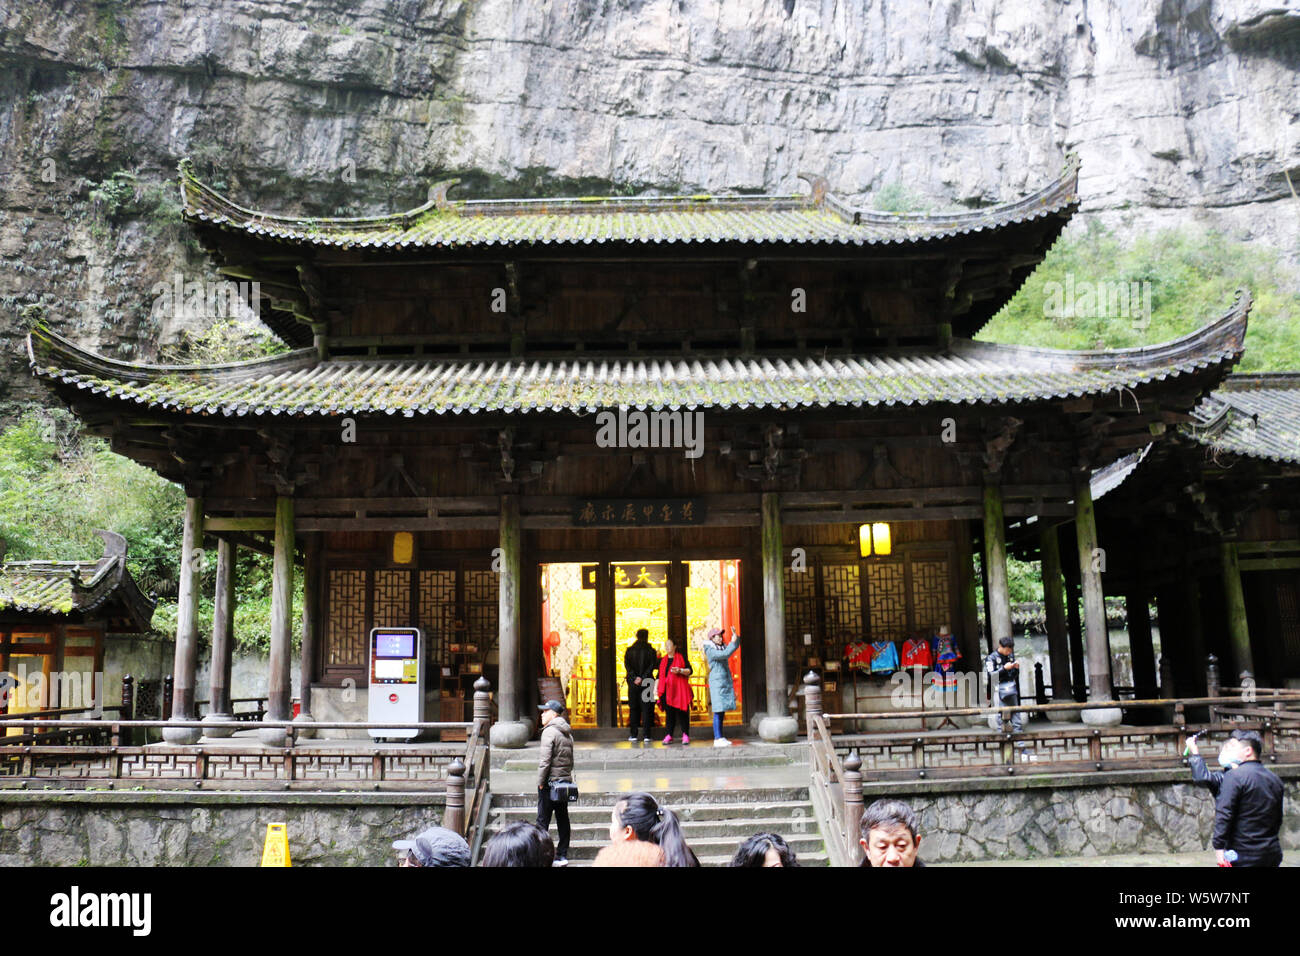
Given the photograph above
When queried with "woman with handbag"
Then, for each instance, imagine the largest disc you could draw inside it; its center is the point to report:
(555, 786)
(722, 690)
(674, 671)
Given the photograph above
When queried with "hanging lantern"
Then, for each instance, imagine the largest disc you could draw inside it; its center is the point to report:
(880, 538)
(864, 540)
(403, 547)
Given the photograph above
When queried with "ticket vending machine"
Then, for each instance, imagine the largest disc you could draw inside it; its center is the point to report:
(396, 679)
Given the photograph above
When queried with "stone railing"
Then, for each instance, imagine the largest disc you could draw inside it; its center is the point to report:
(839, 763)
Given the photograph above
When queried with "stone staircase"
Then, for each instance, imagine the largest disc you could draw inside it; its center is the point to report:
(721, 796)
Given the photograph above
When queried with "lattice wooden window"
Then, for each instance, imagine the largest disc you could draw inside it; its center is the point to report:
(800, 609)
(392, 599)
(1288, 608)
(931, 600)
(886, 583)
(345, 638)
(841, 602)
(481, 606)
(437, 591)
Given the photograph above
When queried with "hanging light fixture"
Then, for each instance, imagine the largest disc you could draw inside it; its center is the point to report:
(880, 538)
(864, 540)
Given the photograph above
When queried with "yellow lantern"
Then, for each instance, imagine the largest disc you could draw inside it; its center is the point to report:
(403, 547)
(880, 538)
(864, 540)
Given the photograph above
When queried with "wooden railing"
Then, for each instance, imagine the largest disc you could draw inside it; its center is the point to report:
(257, 712)
(46, 726)
(840, 763)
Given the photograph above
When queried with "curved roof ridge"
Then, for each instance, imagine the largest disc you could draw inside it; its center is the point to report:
(1224, 334)
(44, 344)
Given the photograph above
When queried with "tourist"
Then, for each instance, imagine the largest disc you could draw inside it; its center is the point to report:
(520, 844)
(764, 849)
(555, 775)
(675, 692)
(889, 835)
(1247, 802)
(639, 666)
(436, 846)
(722, 692)
(643, 833)
(1004, 667)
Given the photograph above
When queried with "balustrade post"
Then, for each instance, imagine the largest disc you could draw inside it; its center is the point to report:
(454, 815)
(126, 736)
(1212, 687)
(482, 708)
(1040, 687)
(167, 698)
(852, 789)
(812, 702)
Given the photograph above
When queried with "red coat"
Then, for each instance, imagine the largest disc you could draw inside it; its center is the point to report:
(674, 689)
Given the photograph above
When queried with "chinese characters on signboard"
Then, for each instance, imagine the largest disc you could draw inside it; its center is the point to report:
(637, 512)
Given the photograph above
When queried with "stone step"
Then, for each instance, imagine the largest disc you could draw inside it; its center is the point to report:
(716, 848)
(673, 798)
(700, 748)
(588, 813)
(736, 830)
(687, 759)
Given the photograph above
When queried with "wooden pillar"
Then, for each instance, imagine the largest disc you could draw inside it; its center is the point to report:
(1094, 603)
(1074, 627)
(970, 620)
(995, 561)
(1054, 608)
(1234, 601)
(508, 611)
(187, 635)
(773, 606)
(1141, 649)
(311, 623)
(223, 636)
(279, 686)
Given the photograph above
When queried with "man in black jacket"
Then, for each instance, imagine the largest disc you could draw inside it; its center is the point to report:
(639, 664)
(1247, 801)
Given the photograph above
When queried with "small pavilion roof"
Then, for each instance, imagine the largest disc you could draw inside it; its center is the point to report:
(818, 218)
(80, 591)
(300, 384)
(1257, 416)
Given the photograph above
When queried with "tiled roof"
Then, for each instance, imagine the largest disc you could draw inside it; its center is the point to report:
(818, 218)
(1253, 415)
(78, 589)
(297, 383)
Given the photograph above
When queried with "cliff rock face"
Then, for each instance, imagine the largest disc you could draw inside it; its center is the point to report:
(1180, 110)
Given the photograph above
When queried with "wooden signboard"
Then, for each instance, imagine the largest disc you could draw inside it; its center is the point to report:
(637, 512)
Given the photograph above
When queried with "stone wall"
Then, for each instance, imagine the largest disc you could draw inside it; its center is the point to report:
(206, 829)
(1070, 815)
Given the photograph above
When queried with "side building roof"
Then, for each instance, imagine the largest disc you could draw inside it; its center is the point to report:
(300, 384)
(1257, 416)
(77, 591)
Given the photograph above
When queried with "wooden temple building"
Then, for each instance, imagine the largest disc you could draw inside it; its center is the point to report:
(809, 444)
(54, 617)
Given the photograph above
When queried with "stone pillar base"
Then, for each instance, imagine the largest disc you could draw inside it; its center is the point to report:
(778, 730)
(218, 731)
(272, 736)
(304, 722)
(181, 736)
(510, 735)
(1103, 717)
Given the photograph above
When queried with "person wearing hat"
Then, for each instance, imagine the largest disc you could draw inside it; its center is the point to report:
(436, 846)
(555, 766)
(722, 690)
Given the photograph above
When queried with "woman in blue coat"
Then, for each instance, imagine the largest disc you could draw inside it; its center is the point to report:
(722, 692)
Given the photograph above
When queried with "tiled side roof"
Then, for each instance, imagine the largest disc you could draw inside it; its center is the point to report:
(819, 218)
(1253, 415)
(64, 588)
(42, 587)
(967, 372)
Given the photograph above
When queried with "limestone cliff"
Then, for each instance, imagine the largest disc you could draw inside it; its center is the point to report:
(1181, 110)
